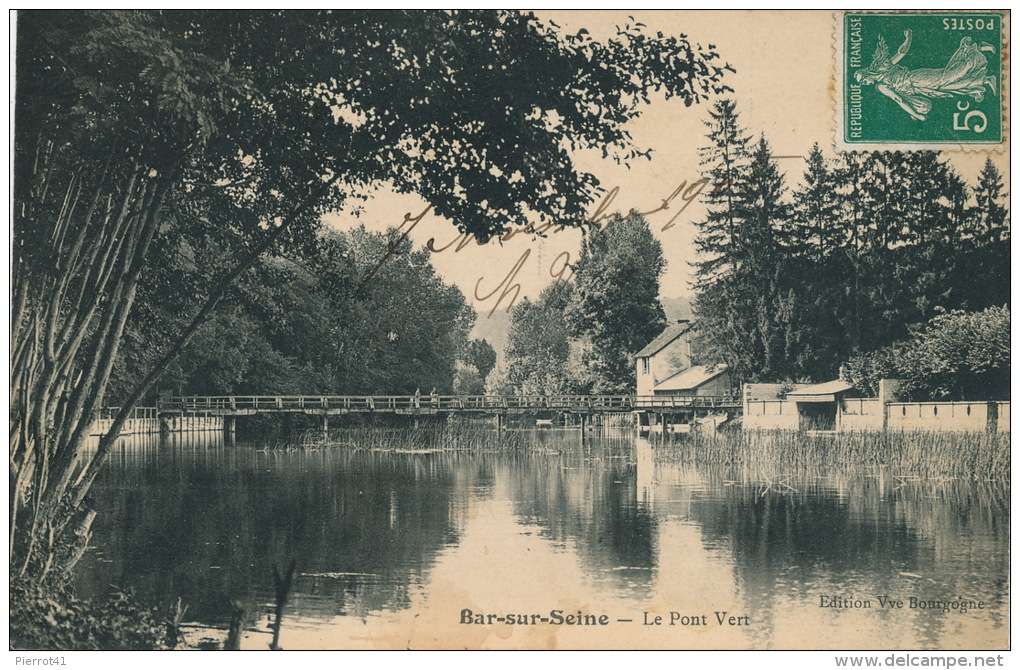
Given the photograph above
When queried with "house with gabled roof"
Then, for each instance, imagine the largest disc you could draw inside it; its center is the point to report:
(667, 354)
(711, 380)
(664, 367)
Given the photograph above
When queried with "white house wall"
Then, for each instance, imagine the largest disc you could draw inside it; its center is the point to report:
(668, 361)
(871, 414)
(860, 414)
(716, 387)
(771, 415)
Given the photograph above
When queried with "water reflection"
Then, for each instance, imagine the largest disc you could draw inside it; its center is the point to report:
(211, 523)
(585, 499)
(392, 546)
(817, 535)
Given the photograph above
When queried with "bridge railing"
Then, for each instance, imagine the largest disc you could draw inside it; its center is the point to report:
(108, 413)
(411, 403)
(665, 401)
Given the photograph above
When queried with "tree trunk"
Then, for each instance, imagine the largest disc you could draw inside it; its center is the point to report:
(75, 276)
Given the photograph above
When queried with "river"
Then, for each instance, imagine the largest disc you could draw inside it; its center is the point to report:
(407, 550)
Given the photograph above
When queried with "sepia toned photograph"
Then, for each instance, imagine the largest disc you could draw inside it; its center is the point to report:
(509, 330)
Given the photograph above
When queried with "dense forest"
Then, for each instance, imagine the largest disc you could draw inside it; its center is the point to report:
(321, 319)
(862, 256)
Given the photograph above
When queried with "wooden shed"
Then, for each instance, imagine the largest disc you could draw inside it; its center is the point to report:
(818, 404)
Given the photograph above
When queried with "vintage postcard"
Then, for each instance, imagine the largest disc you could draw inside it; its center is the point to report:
(554, 330)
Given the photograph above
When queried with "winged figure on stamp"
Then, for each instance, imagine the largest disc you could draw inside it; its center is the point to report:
(966, 74)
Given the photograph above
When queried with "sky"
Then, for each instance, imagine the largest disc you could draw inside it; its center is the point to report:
(783, 84)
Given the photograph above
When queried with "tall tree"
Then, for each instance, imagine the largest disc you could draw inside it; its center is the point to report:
(905, 238)
(988, 249)
(817, 270)
(408, 326)
(815, 227)
(724, 164)
(743, 308)
(766, 277)
(538, 345)
(247, 126)
(989, 216)
(615, 305)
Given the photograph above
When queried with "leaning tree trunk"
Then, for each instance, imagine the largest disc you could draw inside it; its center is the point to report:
(81, 237)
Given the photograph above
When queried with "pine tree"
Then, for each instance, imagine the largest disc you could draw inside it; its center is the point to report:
(855, 201)
(724, 165)
(909, 271)
(765, 211)
(815, 228)
(908, 244)
(816, 263)
(765, 276)
(989, 219)
(984, 267)
(743, 313)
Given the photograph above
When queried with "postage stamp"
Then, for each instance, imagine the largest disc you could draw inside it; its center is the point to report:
(503, 330)
(920, 79)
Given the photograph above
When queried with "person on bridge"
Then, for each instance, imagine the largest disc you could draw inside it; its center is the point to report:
(417, 398)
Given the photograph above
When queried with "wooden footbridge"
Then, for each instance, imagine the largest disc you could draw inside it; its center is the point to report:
(658, 409)
(334, 405)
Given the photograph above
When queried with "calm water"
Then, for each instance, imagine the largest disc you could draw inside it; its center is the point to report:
(391, 548)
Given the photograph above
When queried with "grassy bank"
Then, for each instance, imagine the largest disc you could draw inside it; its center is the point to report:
(976, 456)
(51, 618)
(430, 437)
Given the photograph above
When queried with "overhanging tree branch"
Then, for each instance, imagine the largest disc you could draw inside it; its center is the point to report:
(90, 471)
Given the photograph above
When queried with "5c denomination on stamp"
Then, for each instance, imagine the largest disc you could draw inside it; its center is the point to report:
(919, 80)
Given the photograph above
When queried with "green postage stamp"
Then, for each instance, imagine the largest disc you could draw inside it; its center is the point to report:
(920, 80)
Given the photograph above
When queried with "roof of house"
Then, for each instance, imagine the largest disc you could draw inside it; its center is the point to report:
(757, 391)
(832, 388)
(691, 378)
(672, 331)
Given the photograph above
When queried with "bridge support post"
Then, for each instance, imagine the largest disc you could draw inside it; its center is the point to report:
(325, 425)
(499, 424)
(164, 430)
(584, 426)
(230, 429)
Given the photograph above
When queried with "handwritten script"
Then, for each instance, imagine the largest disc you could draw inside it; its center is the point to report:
(508, 290)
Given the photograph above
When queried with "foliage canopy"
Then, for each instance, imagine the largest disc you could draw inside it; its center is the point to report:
(955, 356)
